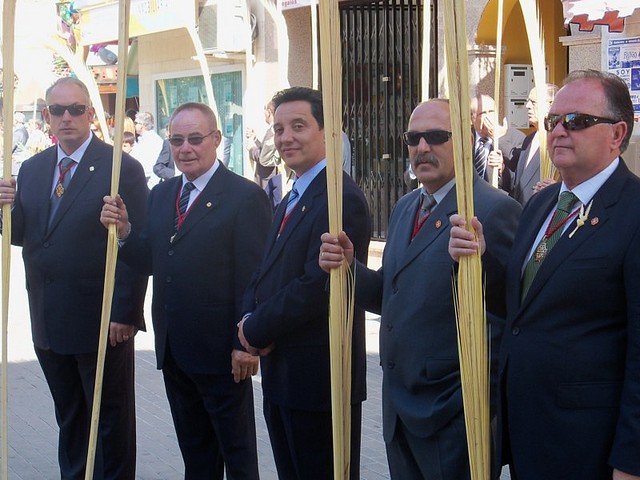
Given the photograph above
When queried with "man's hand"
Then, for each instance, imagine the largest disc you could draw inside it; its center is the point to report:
(120, 332)
(490, 121)
(7, 192)
(618, 475)
(114, 212)
(243, 365)
(543, 184)
(496, 161)
(334, 251)
(262, 352)
(461, 241)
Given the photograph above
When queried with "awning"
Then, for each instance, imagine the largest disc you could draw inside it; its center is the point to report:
(587, 13)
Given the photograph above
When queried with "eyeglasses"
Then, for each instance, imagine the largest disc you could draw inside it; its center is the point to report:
(178, 140)
(432, 137)
(574, 121)
(74, 110)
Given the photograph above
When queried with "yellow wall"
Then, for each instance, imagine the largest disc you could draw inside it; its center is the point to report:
(514, 36)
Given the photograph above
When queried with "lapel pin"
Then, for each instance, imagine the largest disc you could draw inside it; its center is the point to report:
(209, 204)
(582, 217)
(92, 168)
(595, 220)
(304, 207)
(438, 223)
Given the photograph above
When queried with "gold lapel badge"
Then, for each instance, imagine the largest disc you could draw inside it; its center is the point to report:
(438, 223)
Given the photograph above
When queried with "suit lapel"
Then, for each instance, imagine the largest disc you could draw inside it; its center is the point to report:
(308, 202)
(532, 169)
(604, 198)
(206, 202)
(43, 188)
(432, 228)
(89, 166)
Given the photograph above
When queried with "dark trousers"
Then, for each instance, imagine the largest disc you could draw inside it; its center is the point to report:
(214, 421)
(442, 456)
(302, 442)
(71, 379)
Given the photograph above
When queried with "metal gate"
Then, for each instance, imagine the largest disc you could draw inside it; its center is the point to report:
(381, 59)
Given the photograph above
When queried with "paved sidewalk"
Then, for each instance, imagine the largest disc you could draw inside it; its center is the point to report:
(33, 430)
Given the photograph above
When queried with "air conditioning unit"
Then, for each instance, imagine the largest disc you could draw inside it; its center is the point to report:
(223, 25)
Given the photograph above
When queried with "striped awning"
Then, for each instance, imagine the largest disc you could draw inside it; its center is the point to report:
(587, 13)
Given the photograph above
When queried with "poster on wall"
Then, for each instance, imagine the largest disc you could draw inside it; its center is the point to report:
(623, 59)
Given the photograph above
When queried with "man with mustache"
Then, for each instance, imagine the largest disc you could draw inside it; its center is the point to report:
(423, 422)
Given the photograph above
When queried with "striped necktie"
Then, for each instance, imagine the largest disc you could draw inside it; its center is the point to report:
(549, 239)
(481, 155)
(64, 178)
(182, 203)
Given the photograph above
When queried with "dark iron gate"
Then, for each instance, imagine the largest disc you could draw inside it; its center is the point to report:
(381, 59)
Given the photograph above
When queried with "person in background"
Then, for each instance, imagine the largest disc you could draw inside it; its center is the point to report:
(422, 409)
(526, 162)
(570, 355)
(54, 220)
(486, 127)
(204, 237)
(128, 141)
(286, 306)
(148, 147)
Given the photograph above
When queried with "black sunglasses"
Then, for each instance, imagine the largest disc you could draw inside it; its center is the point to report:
(432, 137)
(177, 141)
(574, 121)
(74, 110)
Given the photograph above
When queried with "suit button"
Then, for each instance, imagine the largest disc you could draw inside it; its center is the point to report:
(46, 244)
(47, 281)
(170, 253)
(169, 279)
(515, 331)
(389, 327)
(391, 365)
(395, 289)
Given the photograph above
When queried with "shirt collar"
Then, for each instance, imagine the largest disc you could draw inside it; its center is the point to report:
(77, 155)
(587, 189)
(442, 191)
(203, 179)
(303, 182)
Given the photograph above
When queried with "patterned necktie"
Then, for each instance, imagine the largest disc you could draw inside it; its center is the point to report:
(481, 155)
(291, 203)
(427, 202)
(182, 204)
(64, 178)
(549, 239)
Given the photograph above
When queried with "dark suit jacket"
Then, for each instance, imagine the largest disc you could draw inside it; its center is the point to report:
(570, 357)
(508, 144)
(413, 291)
(65, 263)
(526, 178)
(200, 277)
(289, 301)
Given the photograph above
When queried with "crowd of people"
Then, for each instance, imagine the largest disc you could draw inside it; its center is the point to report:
(240, 274)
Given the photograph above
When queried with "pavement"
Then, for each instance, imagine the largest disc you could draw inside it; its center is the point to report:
(32, 429)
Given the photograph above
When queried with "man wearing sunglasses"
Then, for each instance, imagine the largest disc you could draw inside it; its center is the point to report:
(570, 356)
(203, 238)
(54, 216)
(423, 423)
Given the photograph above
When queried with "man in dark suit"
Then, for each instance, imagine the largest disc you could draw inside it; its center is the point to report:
(286, 305)
(526, 162)
(203, 239)
(423, 422)
(570, 356)
(486, 129)
(54, 219)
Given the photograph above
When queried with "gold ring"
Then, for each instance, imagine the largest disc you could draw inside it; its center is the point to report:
(321, 254)
(126, 337)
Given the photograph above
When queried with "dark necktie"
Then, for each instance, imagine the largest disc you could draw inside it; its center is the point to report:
(549, 239)
(182, 204)
(64, 178)
(481, 155)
